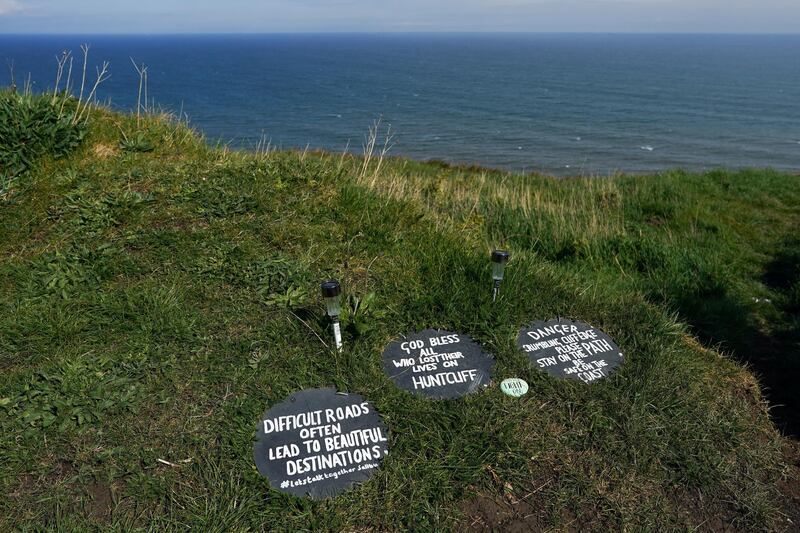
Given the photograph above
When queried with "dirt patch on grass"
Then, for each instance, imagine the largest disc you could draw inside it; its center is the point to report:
(97, 498)
(489, 512)
(104, 151)
(101, 500)
(696, 513)
(26, 485)
(61, 472)
(505, 507)
(485, 512)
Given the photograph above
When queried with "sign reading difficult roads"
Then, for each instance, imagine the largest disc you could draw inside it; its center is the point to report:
(437, 364)
(318, 443)
(570, 350)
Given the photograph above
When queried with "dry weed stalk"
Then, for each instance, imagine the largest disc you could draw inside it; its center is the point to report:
(67, 86)
(263, 147)
(66, 56)
(370, 142)
(343, 155)
(84, 106)
(142, 71)
(13, 76)
(27, 87)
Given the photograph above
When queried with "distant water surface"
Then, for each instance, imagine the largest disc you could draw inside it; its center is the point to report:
(560, 103)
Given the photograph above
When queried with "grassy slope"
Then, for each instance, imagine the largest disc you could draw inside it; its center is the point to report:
(152, 305)
(721, 250)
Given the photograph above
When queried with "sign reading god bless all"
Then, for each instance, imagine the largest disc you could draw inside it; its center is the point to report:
(570, 350)
(437, 364)
(319, 443)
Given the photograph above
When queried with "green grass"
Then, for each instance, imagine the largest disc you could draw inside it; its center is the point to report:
(154, 302)
(31, 127)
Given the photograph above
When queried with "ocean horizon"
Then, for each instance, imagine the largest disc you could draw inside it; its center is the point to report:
(560, 103)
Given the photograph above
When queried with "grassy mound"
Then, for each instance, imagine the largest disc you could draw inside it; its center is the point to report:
(32, 127)
(154, 302)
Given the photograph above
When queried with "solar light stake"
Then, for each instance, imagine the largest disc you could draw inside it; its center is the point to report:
(330, 292)
(499, 260)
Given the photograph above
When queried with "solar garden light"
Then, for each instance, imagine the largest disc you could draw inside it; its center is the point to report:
(330, 292)
(499, 260)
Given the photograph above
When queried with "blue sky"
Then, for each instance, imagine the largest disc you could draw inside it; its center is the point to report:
(199, 16)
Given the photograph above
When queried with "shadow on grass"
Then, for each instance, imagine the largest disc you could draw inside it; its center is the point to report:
(775, 356)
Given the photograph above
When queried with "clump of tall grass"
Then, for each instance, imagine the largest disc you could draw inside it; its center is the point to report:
(263, 147)
(531, 202)
(32, 126)
(53, 123)
(377, 145)
(155, 125)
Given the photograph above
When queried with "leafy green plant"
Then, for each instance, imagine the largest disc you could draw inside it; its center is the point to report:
(94, 213)
(277, 275)
(291, 298)
(139, 143)
(65, 272)
(73, 394)
(30, 127)
(216, 201)
(360, 315)
(62, 273)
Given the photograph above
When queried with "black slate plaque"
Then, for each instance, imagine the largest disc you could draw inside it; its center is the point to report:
(570, 350)
(437, 364)
(319, 443)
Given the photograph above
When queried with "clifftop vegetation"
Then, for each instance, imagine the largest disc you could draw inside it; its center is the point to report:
(157, 294)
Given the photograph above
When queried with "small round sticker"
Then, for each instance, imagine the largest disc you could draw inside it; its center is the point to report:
(514, 387)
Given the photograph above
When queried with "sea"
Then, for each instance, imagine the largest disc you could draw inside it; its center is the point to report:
(561, 104)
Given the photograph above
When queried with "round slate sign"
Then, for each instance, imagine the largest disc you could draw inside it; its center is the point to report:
(570, 350)
(437, 364)
(319, 443)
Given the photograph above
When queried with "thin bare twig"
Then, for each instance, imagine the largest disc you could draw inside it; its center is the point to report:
(370, 142)
(142, 71)
(310, 329)
(62, 62)
(67, 87)
(102, 76)
(344, 153)
(13, 76)
(85, 50)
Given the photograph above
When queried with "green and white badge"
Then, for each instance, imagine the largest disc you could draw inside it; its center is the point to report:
(514, 387)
